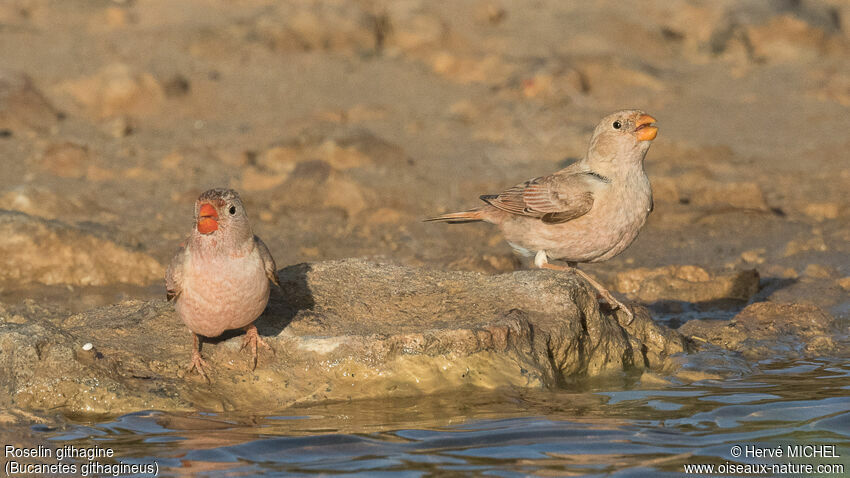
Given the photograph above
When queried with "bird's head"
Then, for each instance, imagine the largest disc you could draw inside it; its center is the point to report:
(623, 135)
(219, 212)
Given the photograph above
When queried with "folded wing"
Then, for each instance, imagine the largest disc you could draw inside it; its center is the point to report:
(553, 199)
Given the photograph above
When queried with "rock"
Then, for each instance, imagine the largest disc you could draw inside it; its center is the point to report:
(789, 38)
(46, 203)
(23, 106)
(342, 330)
(68, 160)
(752, 31)
(819, 271)
(324, 26)
(119, 127)
(686, 283)
(754, 256)
(415, 31)
(256, 179)
(49, 252)
(315, 184)
(773, 330)
(489, 12)
(796, 246)
(743, 195)
(117, 89)
(343, 170)
(822, 211)
(832, 86)
(488, 69)
(844, 283)
(606, 77)
(178, 85)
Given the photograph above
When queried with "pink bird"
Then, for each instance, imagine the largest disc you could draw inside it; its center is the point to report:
(220, 276)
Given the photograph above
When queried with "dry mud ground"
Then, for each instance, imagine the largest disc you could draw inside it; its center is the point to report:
(344, 123)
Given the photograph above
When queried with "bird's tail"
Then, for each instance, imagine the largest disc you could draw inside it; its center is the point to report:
(472, 215)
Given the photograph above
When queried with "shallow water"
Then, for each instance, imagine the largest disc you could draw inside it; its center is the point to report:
(603, 429)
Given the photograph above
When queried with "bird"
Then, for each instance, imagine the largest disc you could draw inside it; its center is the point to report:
(219, 277)
(587, 212)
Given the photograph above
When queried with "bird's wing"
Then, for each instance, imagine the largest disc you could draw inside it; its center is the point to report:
(553, 199)
(268, 261)
(174, 274)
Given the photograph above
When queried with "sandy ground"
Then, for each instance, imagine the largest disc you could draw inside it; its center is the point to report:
(344, 123)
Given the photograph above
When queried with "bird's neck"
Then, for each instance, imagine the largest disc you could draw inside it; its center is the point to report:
(219, 245)
(627, 164)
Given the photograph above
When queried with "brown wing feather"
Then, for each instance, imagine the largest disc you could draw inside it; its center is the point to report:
(174, 274)
(553, 199)
(268, 261)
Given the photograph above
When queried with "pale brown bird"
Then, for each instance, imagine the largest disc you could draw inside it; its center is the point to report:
(220, 276)
(589, 211)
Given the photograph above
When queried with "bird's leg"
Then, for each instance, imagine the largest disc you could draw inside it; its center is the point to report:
(198, 362)
(607, 295)
(253, 338)
(541, 261)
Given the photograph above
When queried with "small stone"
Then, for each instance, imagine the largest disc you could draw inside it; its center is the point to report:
(116, 17)
(796, 246)
(754, 256)
(819, 271)
(87, 346)
(177, 86)
(23, 106)
(117, 89)
(745, 195)
(822, 211)
(844, 282)
(255, 179)
(119, 127)
(311, 252)
(280, 159)
(68, 160)
(384, 215)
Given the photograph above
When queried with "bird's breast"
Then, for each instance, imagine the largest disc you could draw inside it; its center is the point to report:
(222, 293)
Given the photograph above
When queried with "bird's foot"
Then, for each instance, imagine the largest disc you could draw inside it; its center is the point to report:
(616, 304)
(198, 364)
(612, 301)
(253, 339)
(541, 261)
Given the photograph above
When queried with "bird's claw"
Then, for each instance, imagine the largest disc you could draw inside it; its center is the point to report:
(617, 305)
(198, 364)
(253, 339)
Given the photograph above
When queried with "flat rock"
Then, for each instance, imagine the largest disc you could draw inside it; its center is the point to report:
(41, 251)
(22, 105)
(773, 330)
(340, 330)
(117, 89)
(687, 283)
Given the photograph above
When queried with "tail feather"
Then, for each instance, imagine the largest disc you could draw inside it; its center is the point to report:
(473, 215)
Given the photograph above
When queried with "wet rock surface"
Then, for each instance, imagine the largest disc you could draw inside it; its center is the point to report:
(410, 332)
(775, 330)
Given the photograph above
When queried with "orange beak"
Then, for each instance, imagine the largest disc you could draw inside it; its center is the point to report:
(207, 219)
(644, 129)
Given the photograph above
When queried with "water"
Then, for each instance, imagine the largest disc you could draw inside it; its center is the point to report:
(595, 431)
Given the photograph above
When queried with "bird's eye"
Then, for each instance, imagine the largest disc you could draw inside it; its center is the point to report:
(232, 210)
(618, 125)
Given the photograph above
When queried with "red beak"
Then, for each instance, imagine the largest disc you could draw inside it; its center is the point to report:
(207, 219)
